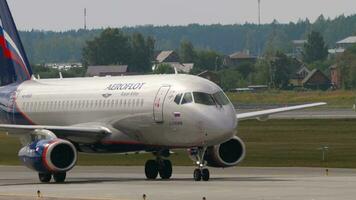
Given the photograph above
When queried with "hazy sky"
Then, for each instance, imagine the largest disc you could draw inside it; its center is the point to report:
(68, 14)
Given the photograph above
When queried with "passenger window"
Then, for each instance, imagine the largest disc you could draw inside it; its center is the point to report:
(178, 98)
(187, 98)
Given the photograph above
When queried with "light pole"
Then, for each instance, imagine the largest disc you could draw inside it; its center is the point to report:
(259, 26)
(216, 63)
(324, 158)
(259, 12)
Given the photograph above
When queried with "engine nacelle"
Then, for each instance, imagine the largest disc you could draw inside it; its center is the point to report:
(55, 155)
(227, 154)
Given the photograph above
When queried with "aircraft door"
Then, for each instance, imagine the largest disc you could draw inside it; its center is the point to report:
(158, 103)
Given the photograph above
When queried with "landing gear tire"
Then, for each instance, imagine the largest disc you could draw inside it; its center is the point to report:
(200, 173)
(205, 174)
(45, 177)
(59, 177)
(197, 175)
(151, 169)
(165, 169)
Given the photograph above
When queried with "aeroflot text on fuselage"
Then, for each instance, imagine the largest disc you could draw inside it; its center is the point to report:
(125, 86)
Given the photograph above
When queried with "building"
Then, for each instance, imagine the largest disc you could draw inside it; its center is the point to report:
(316, 80)
(239, 58)
(335, 75)
(297, 80)
(171, 58)
(63, 66)
(111, 70)
(311, 79)
(347, 42)
(167, 57)
(342, 45)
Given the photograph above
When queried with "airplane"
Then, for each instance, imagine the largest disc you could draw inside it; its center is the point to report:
(57, 118)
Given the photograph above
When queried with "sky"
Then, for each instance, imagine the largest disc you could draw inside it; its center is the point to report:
(60, 15)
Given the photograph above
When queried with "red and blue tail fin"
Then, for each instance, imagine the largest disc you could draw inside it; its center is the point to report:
(14, 65)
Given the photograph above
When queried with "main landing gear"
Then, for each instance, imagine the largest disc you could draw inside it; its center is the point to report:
(58, 177)
(201, 173)
(160, 166)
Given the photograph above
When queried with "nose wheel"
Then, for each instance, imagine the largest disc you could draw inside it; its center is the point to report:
(201, 172)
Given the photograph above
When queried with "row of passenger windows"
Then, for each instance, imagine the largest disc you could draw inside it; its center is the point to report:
(217, 98)
(81, 104)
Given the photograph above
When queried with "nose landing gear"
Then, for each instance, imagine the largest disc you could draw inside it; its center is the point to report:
(201, 172)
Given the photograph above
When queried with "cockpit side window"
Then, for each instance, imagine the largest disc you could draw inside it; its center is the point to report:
(187, 98)
(178, 98)
(203, 98)
(221, 98)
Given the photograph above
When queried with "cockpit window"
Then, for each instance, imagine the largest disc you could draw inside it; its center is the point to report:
(220, 98)
(203, 98)
(187, 98)
(178, 98)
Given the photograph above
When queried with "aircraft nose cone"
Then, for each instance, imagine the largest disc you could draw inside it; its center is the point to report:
(222, 125)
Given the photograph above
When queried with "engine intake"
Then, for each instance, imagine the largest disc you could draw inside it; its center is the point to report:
(227, 154)
(55, 155)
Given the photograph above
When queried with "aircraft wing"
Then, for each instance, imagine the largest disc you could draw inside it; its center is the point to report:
(80, 134)
(263, 114)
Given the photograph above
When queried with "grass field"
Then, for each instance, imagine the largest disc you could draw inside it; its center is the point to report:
(271, 143)
(335, 99)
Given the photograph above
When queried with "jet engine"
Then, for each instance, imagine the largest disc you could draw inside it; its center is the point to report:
(227, 154)
(54, 155)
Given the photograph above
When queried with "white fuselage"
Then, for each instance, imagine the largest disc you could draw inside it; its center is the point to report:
(137, 109)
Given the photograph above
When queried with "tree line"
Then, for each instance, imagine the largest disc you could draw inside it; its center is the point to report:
(49, 46)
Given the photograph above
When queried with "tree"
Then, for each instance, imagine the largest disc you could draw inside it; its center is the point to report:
(142, 53)
(262, 72)
(207, 60)
(230, 79)
(315, 48)
(282, 68)
(187, 53)
(110, 48)
(245, 68)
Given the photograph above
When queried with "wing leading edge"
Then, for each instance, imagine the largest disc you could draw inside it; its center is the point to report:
(263, 114)
(81, 134)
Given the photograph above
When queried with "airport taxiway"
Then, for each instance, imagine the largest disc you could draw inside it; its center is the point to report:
(128, 183)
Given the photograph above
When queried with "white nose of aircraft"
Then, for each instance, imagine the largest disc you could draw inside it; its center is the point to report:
(220, 123)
